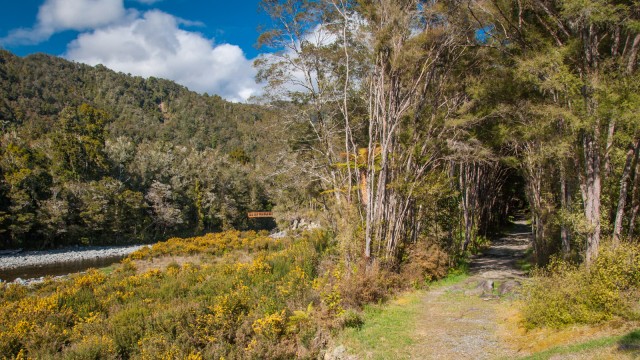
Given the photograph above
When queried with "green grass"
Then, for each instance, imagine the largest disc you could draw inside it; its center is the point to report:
(109, 269)
(575, 348)
(387, 330)
(526, 264)
(628, 342)
(455, 275)
(449, 280)
(631, 341)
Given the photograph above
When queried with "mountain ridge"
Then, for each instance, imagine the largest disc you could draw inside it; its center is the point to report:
(72, 133)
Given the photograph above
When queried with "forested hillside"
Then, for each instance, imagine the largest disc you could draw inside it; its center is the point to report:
(92, 156)
(390, 122)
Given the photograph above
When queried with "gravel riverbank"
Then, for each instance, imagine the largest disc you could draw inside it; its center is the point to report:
(25, 259)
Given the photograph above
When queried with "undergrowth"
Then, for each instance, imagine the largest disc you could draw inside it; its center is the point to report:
(282, 300)
(564, 294)
(262, 308)
(628, 344)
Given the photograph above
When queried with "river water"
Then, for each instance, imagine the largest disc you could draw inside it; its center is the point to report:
(57, 269)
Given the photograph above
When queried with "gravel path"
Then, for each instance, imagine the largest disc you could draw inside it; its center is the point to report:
(478, 318)
(499, 261)
(49, 257)
(463, 321)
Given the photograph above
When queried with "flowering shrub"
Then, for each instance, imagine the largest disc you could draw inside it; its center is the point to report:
(212, 244)
(566, 294)
(219, 309)
(270, 326)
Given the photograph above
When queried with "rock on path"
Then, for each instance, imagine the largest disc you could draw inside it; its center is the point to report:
(463, 321)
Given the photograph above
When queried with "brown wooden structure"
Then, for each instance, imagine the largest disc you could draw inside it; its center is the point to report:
(260, 214)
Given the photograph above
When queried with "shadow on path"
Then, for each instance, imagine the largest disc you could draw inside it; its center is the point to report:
(500, 260)
(463, 321)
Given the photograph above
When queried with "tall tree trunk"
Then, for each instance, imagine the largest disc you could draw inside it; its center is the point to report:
(363, 187)
(592, 192)
(534, 174)
(564, 232)
(635, 200)
(607, 151)
(535, 190)
(616, 42)
(466, 207)
(469, 190)
(632, 155)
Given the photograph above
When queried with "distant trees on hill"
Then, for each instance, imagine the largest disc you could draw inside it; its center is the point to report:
(89, 156)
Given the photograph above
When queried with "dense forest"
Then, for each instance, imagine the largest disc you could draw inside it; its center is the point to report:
(90, 156)
(438, 119)
(388, 121)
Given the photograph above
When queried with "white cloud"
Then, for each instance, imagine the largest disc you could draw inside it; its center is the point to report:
(148, 2)
(149, 44)
(59, 15)
(154, 45)
(80, 14)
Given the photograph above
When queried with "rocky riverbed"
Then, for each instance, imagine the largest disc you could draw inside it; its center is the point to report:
(23, 265)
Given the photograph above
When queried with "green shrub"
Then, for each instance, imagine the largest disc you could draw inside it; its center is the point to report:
(564, 294)
(92, 347)
(351, 319)
(128, 326)
(83, 302)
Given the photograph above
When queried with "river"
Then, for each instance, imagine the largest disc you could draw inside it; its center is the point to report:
(36, 264)
(57, 269)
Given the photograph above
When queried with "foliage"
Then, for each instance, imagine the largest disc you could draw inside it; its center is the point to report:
(565, 294)
(91, 156)
(377, 94)
(220, 308)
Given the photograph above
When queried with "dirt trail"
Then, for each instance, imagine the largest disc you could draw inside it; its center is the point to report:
(463, 321)
(476, 318)
(499, 262)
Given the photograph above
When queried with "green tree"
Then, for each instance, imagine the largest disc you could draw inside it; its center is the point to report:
(79, 144)
(27, 183)
(568, 66)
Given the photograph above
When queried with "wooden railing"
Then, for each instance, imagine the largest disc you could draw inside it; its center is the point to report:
(260, 214)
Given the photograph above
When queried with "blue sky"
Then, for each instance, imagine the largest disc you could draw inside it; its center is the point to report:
(207, 46)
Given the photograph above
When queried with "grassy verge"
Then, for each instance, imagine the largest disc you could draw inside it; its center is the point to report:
(455, 276)
(389, 329)
(610, 346)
